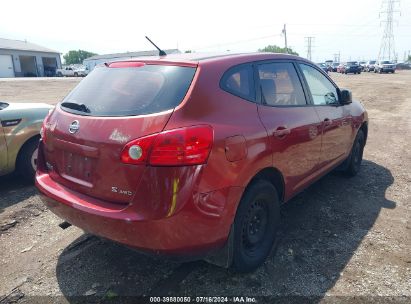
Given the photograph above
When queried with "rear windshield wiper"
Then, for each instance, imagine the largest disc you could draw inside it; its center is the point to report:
(76, 106)
(3, 105)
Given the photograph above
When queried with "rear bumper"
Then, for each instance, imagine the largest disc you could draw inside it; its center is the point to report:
(190, 232)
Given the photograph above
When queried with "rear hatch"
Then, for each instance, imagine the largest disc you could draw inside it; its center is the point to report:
(113, 105)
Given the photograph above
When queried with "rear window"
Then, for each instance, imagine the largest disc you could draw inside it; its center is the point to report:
(130, 91)
(239, 81)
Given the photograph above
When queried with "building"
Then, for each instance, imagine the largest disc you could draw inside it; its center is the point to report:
(25, 59)
(91, 62)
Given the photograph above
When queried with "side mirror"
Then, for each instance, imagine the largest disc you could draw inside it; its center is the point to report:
(346, 97)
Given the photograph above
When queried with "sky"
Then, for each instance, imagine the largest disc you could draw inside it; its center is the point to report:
(352, 28)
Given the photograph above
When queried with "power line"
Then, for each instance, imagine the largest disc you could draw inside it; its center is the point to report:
(387, 48)
(235, 42)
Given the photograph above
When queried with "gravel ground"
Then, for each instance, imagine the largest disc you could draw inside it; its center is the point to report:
(342, 240)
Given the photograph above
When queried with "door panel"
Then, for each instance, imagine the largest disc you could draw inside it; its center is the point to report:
(293, 126)
(295, 139)
(336, 131)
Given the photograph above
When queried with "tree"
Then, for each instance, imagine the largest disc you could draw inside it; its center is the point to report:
(409, 58)
(77, 57)
(277, 49)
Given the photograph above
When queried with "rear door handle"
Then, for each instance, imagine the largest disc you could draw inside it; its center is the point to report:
(281, 132)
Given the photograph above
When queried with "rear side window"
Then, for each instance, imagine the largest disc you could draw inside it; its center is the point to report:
(130, 91)
(322, 90)
(239, 81)
(280, 85)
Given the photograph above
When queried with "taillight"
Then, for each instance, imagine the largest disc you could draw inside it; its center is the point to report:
(43, 127)
(136, 152)
(178, 147)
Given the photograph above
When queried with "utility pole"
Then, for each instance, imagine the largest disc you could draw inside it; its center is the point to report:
(285, 38)
(387, 48)
(309, 46)
(337, 57)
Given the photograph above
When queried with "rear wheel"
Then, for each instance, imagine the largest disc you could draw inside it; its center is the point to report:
(355, 158)
(27, 159)
(255, 226)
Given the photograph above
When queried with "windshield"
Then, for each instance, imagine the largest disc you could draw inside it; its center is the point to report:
(385, 62)
(3, 105)
(372, 62)
(129, 91)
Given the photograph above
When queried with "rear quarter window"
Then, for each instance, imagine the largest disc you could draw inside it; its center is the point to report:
(239, 81)
(130, 91)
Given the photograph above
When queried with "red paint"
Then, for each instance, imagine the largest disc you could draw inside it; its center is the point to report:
(186, 208)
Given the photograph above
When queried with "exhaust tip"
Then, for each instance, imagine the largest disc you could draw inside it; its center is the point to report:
(64, 225)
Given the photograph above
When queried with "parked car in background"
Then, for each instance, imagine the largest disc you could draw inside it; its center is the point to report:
(334, 66)
(362, 65)
(370, 66)
(350, 67)
(193, 155)
(71, 71)
(403, 66)
(19, 136)
(384, 66)
(323, 66)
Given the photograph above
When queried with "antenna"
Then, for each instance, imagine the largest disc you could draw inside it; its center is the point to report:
(160, 51)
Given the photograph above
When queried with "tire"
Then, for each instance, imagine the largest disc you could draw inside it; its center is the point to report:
(27, 159)
(255, 226)
(59, 74)
(355, 158)
(75, 74)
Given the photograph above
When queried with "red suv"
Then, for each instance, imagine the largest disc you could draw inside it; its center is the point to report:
(191, 155)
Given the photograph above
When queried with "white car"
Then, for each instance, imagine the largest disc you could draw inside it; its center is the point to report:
(385, 66)
(71, 71)
(370, 65)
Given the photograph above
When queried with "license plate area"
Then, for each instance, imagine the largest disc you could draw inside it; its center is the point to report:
(77, 166)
